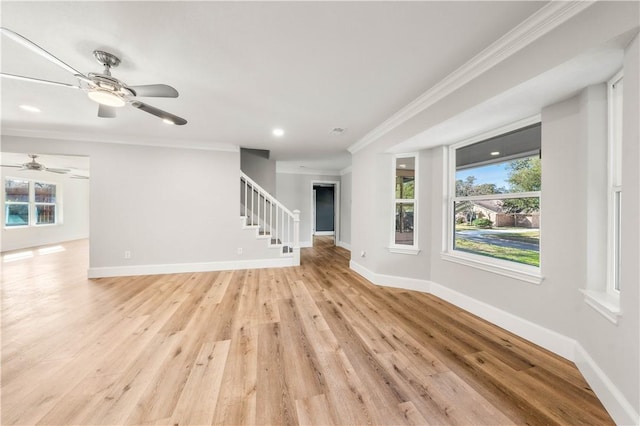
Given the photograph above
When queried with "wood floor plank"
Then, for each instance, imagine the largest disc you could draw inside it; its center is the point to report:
(237, 404)
(274, 403)
(314, 344)
(199, 396)
(314, 410)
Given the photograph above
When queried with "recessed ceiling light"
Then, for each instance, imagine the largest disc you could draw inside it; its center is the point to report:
(494, 153)
(29, 108)
(167, 121)
(278, 132)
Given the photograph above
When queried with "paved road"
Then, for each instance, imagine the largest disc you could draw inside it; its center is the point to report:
(492, 236)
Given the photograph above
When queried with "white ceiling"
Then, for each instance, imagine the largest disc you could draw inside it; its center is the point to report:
(243, 68)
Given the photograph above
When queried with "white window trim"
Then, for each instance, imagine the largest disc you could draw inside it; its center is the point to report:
(606, 301)
(521, 272)
(32, 203)
(404, 248)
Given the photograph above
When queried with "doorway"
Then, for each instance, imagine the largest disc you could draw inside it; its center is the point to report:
(325, 209)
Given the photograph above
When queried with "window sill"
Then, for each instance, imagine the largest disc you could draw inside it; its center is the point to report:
(606, 304)
(524, 273)
(404, 250)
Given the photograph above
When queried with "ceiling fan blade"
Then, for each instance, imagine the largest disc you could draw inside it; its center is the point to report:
(105, 111)
(78, 177)
(39, 50)
(37, 80)
(59, 171)
(159, 113)
(7, 165)
(155, 90)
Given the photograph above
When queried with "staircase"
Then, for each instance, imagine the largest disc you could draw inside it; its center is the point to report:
(271, 220)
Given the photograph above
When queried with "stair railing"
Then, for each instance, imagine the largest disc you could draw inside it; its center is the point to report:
(270, 216)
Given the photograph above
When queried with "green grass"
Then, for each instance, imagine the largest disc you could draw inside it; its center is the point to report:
(532, 237)
(528, 257)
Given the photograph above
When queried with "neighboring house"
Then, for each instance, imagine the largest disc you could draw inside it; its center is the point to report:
(492, 210)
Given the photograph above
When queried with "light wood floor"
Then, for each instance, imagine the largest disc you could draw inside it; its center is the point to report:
(316, 344)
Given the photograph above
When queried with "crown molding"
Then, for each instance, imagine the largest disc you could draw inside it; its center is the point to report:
(549, 17)
(293, 170)
(141, 141)
(345, 171)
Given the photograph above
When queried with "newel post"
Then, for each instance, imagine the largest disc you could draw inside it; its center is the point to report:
(296, 236)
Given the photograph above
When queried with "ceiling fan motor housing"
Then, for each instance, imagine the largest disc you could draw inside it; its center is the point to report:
(107, 59)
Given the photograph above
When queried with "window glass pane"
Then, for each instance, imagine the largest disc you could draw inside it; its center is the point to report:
(617, 236)
(16, 190)
(16, 214)
(45, 192)
(404, 224)
(504, 229)
(516, 175)
(405, 177)
(45, 213)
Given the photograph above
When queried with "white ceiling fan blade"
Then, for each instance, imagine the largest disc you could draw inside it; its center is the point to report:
(105, 111)
(39, 50)
(59, 171)
(155, 90)
(166, 116)
(37, 80)
(78, 177)
(7, 165)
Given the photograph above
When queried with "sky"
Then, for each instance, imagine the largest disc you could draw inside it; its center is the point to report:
(493, 173)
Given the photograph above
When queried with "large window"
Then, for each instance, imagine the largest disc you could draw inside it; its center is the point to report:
(495, 202)
(29, 203)
(404, 237)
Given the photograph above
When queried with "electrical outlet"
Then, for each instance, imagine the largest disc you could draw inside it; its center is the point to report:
(363, 253)
(127, 254)
(239, 250)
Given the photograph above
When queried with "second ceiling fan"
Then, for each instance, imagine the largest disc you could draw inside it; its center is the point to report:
(109, 92)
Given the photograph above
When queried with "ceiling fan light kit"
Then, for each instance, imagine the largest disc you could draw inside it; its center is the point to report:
(106, 97)
(107, 91)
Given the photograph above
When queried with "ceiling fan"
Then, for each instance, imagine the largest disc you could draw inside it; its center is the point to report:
(35, 166)
(109, 92)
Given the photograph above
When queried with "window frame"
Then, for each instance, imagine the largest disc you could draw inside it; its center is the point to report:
(614, 182)
(605, 299)
(393, 247)
(32, 204)
(527, 273)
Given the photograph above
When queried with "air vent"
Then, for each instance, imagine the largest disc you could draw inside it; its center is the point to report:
(337, 131)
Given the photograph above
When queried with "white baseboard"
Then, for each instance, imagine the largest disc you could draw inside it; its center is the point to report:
(177, 268)
(306, 244)
(548, 339)
(613, 400)
(323, 233)
(344, 245)
(390, 280)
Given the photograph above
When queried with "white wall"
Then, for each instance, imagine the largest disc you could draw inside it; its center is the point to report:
(573, 136)
(259, 168)
(73, 204)
(167, 206)
(294, 191)
(344, 239)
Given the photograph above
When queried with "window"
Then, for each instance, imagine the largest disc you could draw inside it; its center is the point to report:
(404, 237)
(615, 183)
(29, 203)
(604, 297)
(494, 203)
